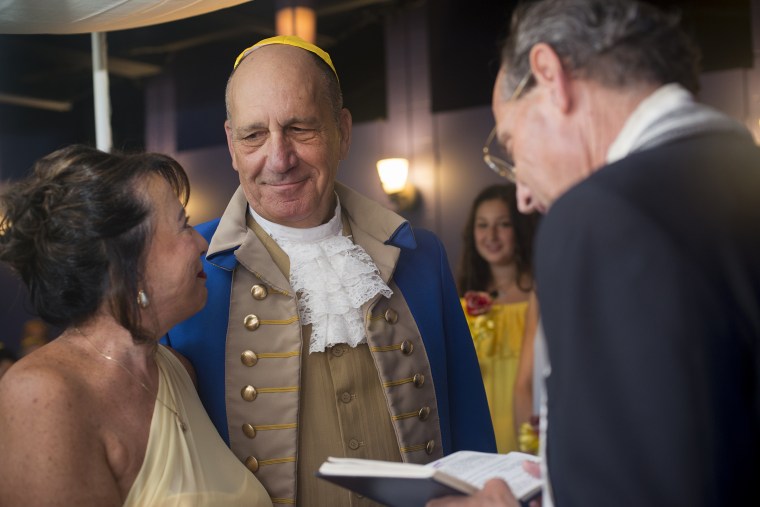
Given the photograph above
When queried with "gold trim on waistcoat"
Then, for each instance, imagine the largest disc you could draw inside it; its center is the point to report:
(418, 439)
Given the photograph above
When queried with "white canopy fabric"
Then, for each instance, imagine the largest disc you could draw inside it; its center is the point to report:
(84, 16)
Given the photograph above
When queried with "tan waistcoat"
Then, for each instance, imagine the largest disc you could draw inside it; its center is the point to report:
(288, 410)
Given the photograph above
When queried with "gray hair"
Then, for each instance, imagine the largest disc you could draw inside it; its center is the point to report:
(618, 43)
(331, 86)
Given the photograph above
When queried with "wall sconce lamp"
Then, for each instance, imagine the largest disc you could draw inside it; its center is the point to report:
(393, 176)
(296, 17)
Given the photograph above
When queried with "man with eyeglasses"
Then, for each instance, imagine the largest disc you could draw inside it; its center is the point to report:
(648, 260)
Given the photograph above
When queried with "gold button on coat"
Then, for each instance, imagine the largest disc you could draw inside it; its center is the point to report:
(249, 358)
(430, 447)
(423, 413)
(407, 347)
(418, 379)
(249, 430)
(251, 322)
(248, 393)
(353, 444)
(259, 292)
(391, 317)
(345, 397)
(252, 464)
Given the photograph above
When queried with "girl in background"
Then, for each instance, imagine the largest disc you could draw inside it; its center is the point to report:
(495, 285)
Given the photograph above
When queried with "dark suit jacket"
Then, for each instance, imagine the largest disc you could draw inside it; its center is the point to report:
(649, 281)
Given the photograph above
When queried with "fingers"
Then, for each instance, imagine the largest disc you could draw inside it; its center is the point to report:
(495, 493)
(532, 467)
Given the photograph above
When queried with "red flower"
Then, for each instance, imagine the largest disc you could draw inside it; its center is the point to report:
(477, 302)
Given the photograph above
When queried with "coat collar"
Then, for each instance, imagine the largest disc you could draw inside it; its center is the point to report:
(370, 223)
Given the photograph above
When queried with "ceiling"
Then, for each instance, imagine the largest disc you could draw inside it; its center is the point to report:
(54, 71)
(46, 80)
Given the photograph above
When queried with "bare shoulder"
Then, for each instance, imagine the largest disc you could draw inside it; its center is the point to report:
(40, 384)
(48, 432)
(44, 396)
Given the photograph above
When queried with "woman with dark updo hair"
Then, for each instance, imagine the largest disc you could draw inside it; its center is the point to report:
(104, 415)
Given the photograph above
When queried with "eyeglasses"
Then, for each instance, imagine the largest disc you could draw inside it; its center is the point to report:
(495, 155)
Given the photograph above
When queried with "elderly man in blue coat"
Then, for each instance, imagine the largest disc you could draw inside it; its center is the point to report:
(332, 326)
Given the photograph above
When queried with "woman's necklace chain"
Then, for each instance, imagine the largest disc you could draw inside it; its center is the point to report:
(181, 423)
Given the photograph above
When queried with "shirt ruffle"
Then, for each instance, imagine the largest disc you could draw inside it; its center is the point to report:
(333, 278)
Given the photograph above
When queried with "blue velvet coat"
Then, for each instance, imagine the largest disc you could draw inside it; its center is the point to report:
(422, 274)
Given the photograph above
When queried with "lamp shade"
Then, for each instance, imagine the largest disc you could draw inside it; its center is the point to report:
(296, 18)
(393, 174)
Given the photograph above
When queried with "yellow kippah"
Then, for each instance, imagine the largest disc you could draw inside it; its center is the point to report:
(288, 40)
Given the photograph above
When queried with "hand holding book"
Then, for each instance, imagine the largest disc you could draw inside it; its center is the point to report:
(410, 485)
(495, 493)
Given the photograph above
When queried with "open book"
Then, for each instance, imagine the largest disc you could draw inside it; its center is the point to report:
(410, 485)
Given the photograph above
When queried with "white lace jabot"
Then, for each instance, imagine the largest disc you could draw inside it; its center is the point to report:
(333, 278)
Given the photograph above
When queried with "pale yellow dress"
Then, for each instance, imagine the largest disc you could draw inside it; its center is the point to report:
(498, 337)
(193, 467)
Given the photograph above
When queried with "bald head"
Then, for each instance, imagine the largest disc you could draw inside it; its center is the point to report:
(291, 58)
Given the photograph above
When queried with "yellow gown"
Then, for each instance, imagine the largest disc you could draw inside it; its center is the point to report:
(192, 467)
(498, 337)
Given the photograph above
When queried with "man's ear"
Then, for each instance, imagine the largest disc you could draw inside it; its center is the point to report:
(228, 132)
(548, 71)
(345, 124)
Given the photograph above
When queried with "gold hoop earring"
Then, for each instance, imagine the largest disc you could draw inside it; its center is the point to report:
(142, 299)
